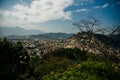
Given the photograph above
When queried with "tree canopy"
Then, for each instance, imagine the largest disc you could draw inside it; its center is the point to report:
(13, 60)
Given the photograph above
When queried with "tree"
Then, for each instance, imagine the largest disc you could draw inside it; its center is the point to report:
(91, 25)
(114, 36)
(13, 60)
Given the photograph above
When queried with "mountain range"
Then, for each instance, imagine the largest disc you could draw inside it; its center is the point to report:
(39, 36)
(51, 36)
(20, 33)
(17, 31)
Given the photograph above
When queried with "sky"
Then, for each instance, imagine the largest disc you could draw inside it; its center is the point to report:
(57, 15)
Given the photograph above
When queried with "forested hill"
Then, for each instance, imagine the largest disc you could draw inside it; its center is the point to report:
(112, 41)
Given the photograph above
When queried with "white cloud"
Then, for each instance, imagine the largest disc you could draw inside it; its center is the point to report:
(82, 2)
(96, 7)
(81, 10)
(86, 1)
(22, 2)
(103, 6)
(37, 12)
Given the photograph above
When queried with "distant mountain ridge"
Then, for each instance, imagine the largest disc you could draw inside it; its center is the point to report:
(51, 36)
(41, 36)
(17, 31)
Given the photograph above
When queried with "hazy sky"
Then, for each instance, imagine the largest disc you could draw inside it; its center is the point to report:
(56, 15)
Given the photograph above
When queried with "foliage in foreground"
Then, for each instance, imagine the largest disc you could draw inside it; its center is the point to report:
(90, 70)
(13, 60)
(73, 64)
(56, 61)
(61, 64)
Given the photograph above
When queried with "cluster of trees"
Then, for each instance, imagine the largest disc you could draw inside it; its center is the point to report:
(13, 60)
(56, 61)
(86, 71)
(84, 66)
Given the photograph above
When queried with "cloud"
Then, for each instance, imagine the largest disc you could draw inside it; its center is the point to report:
(38, 11)
(86, 1)
(82, 2)
(96, 7)
(22, 2)
(103, 6)
(118, 3)
(82, 10)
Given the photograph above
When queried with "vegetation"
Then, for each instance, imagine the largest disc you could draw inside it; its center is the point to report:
(86, 71)
(72, 54)
(92, 67)
(13, 60)
(61, 64)
(56, 61)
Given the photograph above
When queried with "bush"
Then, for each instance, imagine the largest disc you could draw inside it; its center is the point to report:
(86, 71)
(72, 54)
(13, 60)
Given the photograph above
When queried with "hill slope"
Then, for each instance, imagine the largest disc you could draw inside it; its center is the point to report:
(112, 41)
